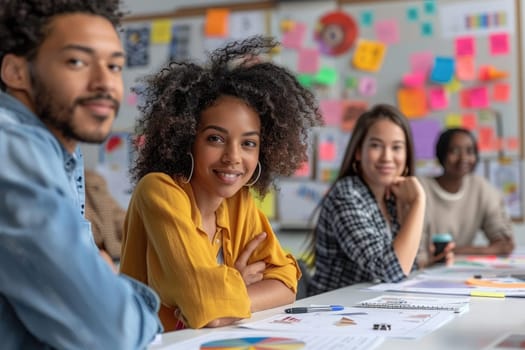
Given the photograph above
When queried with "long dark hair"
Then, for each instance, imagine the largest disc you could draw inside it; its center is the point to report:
(351, 167)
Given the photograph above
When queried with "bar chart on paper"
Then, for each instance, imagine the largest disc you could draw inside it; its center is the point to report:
(254, 343)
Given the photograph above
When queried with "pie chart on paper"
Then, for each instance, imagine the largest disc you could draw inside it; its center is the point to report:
(255, 343)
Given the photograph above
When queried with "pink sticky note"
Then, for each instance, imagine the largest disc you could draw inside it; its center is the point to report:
(367, 86)
(303, 171)
(327, 151)
(479, 97)
(501, 92)
(414, 80)
(469, 121)
(387, 31)
(512, 143)
(438, 98)
(308, 61)
(464, 98)
(421, 61)
(332, 111)
(499, 44)
(131, 99)
(465, 46)
(293, 39)
(465, 68)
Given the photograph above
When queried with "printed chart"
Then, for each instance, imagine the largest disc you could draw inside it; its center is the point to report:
(254, 343)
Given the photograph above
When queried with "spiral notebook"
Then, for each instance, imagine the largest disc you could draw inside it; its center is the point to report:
(458, 305)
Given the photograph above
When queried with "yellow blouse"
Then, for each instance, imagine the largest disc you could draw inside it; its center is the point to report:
(165, 247)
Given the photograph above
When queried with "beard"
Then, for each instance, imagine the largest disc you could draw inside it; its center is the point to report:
(61, 117)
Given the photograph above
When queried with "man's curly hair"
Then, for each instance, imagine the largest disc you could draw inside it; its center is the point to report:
(175, 97)
(24, 23)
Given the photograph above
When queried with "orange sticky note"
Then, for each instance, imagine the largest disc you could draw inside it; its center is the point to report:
(412, 102)
(469, 121)
(369, 55)
(486, 139)
(512, 143)
(327, 151)
(217, 22)
(303, 171)
(501, 92)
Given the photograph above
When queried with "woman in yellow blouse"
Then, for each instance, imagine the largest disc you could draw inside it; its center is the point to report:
(192, 231)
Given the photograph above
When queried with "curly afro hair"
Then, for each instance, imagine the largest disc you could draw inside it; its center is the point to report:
(23, 23)
(175, 97)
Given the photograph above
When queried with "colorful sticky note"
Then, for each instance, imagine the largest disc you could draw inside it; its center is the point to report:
(332, 111)
(479, 97)
(425, 132)
(453, 120)
(430, 7)
(501, 92)
(308, 61)
(465, 46)
(294, 38)
(266, 204)
(367, 86)
(438, 98)
(287, 25)
(421, 61)
(161, 31)
(131, 99)
(351, 82)
(304, 170)
(427, 29)
(499, 44)
(469, 121)
(367, 18)
(413, 80)
(306, 80)
(511, 143)
(453, 86)
(216, 23)
(465, 68)
(488, 73)
(443, 70)
(327, 150)
(412, 14)
(369, 55)
(326, 76)
(486, 137)
(412, 102)
(387, 31)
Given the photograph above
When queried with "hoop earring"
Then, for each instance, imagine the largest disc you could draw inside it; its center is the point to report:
(354, 167)
(191, 171)
(259, 168)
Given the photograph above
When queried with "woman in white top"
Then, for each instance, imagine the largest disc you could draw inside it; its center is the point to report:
(462, 203)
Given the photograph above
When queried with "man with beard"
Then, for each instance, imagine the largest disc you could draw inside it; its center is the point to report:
(61, 82)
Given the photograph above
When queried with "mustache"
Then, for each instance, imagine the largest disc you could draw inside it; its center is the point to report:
(115, 103)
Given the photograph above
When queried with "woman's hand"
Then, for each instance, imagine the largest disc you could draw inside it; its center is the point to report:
(253, 272)
(447, 253)
(407, 191)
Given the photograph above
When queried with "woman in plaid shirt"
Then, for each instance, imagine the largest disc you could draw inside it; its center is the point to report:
(370, 221)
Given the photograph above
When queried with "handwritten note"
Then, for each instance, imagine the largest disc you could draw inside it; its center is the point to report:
(369, 55)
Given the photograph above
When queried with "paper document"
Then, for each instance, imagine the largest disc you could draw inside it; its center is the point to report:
(458, 305)
(304, 341)
(392, 323)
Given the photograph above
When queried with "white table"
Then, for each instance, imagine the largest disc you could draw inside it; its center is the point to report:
(487, 320)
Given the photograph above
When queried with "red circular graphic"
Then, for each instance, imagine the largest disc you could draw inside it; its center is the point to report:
(336, 33)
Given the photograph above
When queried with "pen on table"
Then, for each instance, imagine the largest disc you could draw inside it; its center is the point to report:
(305, 309)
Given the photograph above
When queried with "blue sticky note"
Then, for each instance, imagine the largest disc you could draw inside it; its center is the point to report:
(367, 18)
(427, 29)
(412, 14)
(443, 70)
(430, 7)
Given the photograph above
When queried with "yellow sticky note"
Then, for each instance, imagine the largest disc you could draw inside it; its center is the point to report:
(479, 293)
(287, 25)
(453, 120)
(161, 32)
(453, 86)
(266, 204)
(369, 55)
(217, 21)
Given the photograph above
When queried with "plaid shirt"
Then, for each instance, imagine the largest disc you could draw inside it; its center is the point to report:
(354, 242)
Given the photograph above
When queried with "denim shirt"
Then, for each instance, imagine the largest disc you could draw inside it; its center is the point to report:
(55, 290)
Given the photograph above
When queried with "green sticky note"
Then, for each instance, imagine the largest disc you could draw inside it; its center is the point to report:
(351, 82)
(412, 14)
(427, 29)
(430, 7)
(326, 76)
(305, 80)
(367, 18)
